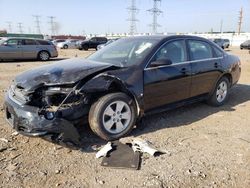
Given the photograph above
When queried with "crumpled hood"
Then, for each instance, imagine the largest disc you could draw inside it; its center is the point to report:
(62, 72)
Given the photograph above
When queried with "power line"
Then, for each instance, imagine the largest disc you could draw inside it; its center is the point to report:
(9, 26)
(20, 27)
(155, 11)
(52, 24)
(240, 20)
(37, 22)
(133, 10)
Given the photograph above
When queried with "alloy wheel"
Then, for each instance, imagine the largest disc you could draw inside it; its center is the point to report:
(116, 117)
(221, 92)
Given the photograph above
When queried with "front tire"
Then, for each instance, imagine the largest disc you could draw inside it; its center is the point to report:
(112, 116)
(220, 94)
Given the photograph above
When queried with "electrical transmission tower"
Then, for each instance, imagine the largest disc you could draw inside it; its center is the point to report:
(240, 20)
(52, 24)
(133, 10)
(20, 27)
(9, 26)
(155, 11)
(37, 22)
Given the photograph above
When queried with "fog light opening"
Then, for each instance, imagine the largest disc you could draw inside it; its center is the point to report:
(49, 115)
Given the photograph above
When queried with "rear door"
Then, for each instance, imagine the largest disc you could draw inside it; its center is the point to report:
(12, 49)
(171, 83)
(205, 66)
(29, 49)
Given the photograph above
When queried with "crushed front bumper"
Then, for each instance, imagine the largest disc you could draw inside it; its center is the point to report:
(26, 120)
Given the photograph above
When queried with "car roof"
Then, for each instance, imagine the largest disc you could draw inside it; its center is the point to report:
(164, 37)
(24, 38)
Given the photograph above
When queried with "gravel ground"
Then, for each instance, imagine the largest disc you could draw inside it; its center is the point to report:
(207, 146)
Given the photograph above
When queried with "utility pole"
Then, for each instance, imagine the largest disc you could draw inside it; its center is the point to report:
(37, 23)
(155, 11)
(20, 27)
(221, 26)
(240, 20)
(9, 27)
(52, 24)
(132, 17)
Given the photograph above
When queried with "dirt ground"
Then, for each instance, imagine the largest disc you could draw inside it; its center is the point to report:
(207, 146)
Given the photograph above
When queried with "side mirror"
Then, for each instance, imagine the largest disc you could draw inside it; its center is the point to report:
(161, 62)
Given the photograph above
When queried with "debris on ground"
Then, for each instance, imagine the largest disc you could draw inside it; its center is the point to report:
(126, 153)
(121, 156)
(144, 146)
(104, 150)
(4, 140)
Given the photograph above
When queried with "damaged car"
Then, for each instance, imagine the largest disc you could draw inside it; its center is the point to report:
(116, 86)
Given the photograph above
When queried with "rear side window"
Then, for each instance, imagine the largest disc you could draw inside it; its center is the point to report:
(218, 53)
(44, 42)
(199, 50)
(29, 42)
(174, 51)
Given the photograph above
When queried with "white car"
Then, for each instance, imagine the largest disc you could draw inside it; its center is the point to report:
(70, 43)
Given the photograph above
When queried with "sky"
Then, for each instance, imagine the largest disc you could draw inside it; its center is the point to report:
(78, 17)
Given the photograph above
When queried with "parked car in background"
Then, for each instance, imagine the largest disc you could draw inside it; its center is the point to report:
(92, 43)
(27, 48)
(116, 86)
(245, 45)
(223, 43)
(55, 42)
(100, 46)
(70, 43)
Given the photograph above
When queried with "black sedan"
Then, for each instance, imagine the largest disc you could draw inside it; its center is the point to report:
(116, 86)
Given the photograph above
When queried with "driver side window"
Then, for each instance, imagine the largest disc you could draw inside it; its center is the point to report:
(14, 42)
(174, 51)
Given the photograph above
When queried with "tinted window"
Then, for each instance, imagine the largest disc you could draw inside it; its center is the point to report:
(174, 51)
(218, 53)
(44, 42)
(199, 50)
(14, 42)
(93, 39)
(29, 42)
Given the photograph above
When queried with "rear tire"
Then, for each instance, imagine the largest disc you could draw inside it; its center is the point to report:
(220, 94)
(43, 56)
(112, 116)
(65, 46)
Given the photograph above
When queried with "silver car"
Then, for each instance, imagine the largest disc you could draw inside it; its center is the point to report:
(70, 43)
(27, 48)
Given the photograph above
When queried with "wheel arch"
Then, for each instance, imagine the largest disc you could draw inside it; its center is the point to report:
(105, 84)
(43, 50)
(227, 75)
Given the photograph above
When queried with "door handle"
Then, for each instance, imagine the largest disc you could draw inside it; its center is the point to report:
(183, 71)
(216, 65)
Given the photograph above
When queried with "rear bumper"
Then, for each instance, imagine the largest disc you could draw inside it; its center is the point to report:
(54, 54)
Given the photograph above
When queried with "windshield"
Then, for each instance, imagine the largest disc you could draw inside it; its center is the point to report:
(124, 52)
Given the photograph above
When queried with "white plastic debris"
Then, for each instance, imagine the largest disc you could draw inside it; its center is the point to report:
(104, 150)
(140, 145)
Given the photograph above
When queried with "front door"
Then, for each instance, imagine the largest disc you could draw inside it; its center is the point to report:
(171, 83)
(11, 49)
